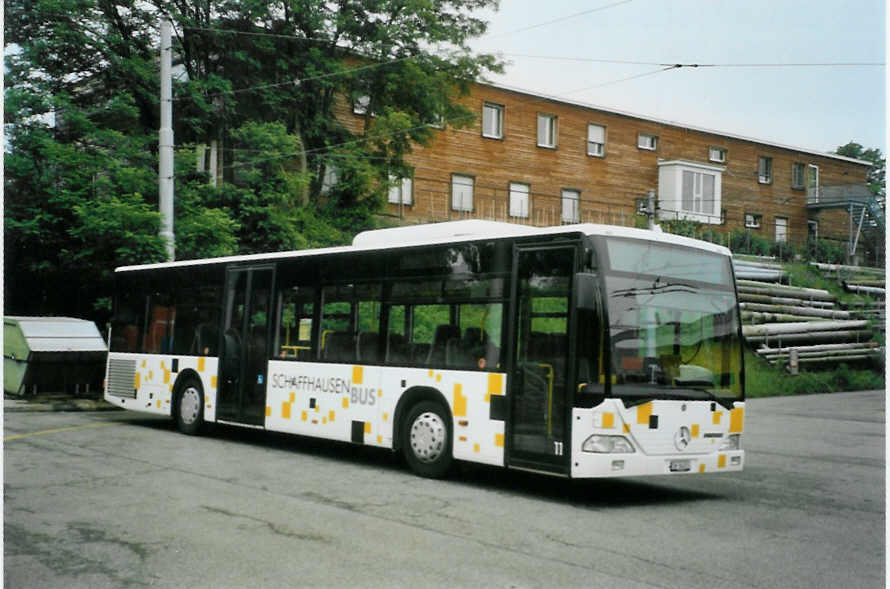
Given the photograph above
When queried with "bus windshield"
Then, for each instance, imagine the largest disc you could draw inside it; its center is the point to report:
(673, 322)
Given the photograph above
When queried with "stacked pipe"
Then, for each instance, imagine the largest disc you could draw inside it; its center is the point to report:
(869, 287)
(752, 291)
(823, 353)
(812, 332)
(761, 271)
(784, 320)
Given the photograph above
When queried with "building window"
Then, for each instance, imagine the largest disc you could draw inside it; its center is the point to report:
(330, 178)
(519, 200)
(765, 170)
(571, 211)
(438, 121)
(752, 220)
(546, 130)
(812, 230)
(717, 155)
(690, 190)
(596, 140)
(698, 192)
(647, 141)
(781, 229)
(493, 120)
(797, 175)
(360, 104)
(461, 192)
(812, 182)
(401, 190)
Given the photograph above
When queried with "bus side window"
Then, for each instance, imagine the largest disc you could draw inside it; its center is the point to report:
(368, 323)
(296, 306)
(426, 321)
(479, 344)
(337, 324)
(397, 345)
(161, 320)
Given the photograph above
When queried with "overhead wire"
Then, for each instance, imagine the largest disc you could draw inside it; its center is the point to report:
(430, 125)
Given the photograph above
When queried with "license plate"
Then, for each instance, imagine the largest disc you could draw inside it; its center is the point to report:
(679, 466)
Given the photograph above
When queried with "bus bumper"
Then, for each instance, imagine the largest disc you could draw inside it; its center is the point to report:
(591, 465)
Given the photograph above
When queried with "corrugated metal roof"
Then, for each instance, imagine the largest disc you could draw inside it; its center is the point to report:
(59, 334)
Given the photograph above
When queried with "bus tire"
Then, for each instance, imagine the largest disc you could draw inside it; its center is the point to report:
(426, 440)
(189, 407)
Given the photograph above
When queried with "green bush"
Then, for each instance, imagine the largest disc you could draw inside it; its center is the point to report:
(742, 241)
(825, 251)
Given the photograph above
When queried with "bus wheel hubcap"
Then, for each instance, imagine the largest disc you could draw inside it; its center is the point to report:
(189, 405)
(428, 435)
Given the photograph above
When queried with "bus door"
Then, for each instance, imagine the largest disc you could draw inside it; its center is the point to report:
(539, 428)
(244, 349)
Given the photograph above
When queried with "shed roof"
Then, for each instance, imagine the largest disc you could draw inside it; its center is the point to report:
(58, 334)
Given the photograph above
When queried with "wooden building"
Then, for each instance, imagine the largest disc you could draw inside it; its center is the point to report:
(543, 161)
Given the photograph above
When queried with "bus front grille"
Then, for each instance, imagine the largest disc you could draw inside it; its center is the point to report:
(122, 377)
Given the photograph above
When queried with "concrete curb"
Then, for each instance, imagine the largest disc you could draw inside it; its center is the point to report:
(38, 405)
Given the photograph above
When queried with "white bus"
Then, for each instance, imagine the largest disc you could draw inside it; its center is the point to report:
(578, 351)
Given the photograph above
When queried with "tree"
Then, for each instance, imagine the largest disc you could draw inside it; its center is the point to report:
(266, 80)
(875, 176)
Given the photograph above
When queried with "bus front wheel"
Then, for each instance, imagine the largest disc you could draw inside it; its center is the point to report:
(189, 408)
(426, 440)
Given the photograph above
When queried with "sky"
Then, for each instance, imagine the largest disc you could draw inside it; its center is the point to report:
(813, 107)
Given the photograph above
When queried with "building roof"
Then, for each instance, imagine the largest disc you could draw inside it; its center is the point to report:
(670, 123)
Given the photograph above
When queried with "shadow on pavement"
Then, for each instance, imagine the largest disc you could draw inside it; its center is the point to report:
(589, 493)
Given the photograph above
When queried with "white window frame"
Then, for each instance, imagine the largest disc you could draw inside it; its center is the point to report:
(798, 169)
(401, 191)
(489, 110)
(765, 169)
(462, 191)
(671, 178)
(783, 238)
(596, 148)
(812, 188)
(697, 201)
(813, 223)
(717, 154)
(647, 141)
(520, 200)
(548, 134)
(330, 177)
(571, 205)
(360, 104)
(753, 220)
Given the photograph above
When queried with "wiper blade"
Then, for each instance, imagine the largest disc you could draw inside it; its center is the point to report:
(654, 289)
(725, 403)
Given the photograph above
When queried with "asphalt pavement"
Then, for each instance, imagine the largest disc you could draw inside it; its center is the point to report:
(121, 499)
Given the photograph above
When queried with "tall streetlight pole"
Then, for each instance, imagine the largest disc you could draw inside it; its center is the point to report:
(165, 141)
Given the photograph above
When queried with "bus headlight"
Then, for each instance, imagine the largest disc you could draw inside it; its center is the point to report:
(607, 445)
(732, 442)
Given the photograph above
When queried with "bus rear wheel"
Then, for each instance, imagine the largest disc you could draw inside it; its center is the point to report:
(189, 408)
(426, 440)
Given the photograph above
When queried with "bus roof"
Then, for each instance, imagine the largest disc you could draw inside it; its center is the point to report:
(449, 232)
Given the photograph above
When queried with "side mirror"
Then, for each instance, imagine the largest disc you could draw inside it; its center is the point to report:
(587, 291)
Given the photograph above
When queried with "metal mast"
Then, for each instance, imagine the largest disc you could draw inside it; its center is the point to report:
(165, 141)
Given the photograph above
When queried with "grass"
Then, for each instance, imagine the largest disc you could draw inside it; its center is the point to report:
(762, 379)
(802, 274)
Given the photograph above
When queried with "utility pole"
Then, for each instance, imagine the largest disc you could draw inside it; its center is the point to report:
(165, 141)
(650, 209)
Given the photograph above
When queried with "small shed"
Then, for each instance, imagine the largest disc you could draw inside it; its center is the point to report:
(52, 355)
